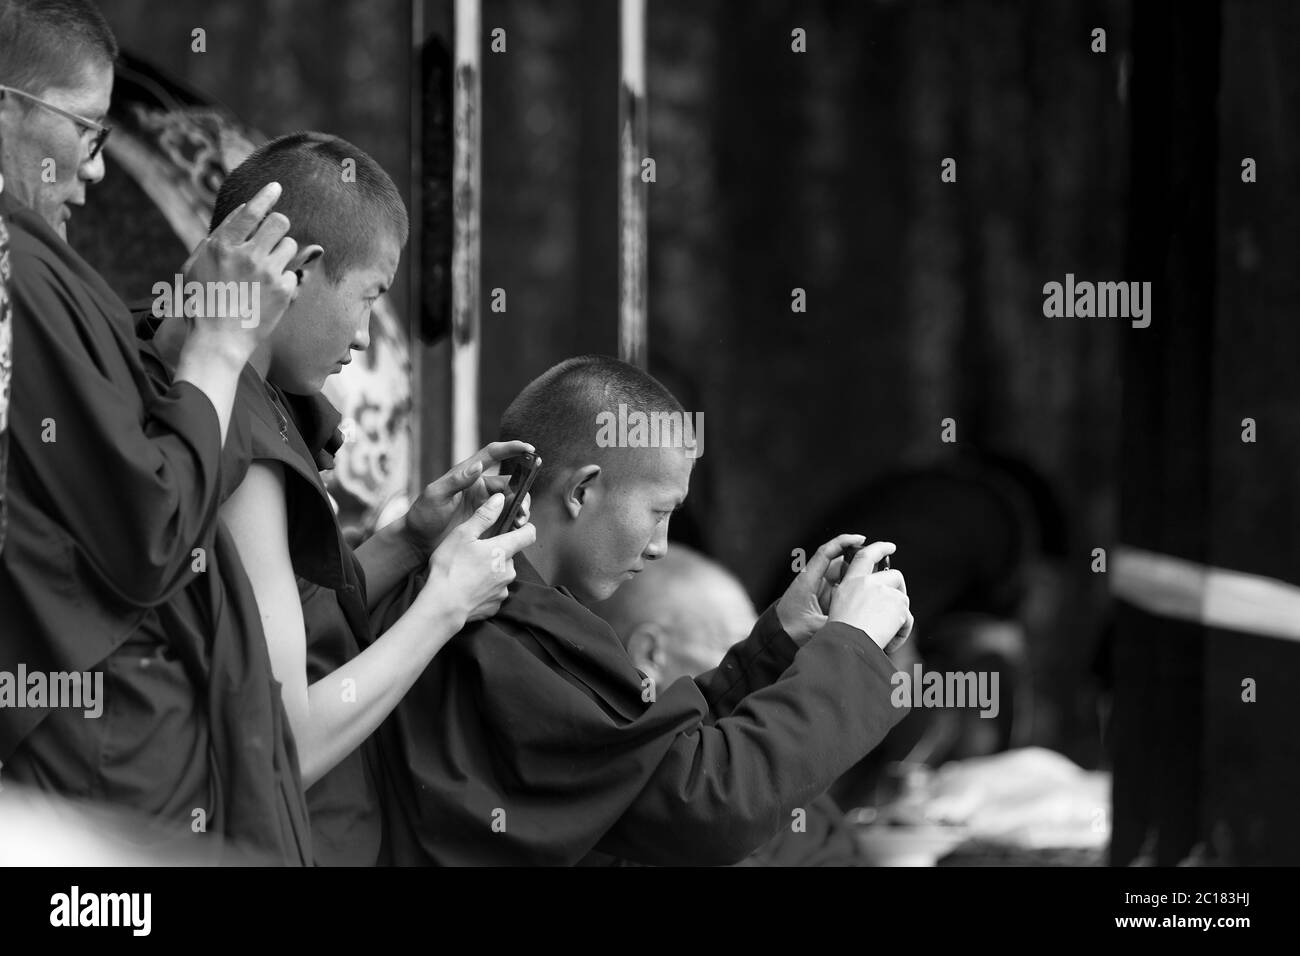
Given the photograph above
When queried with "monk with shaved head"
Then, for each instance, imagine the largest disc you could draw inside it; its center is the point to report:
(116, 578)
(313, 590)
(677, 620)
(534, 739)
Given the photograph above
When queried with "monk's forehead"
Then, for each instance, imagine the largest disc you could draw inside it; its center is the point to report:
(664, 469)
(88, 90)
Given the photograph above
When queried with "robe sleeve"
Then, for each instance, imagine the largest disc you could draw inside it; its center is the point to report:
(497, 725)
(754, 663)
(136, 491)
(722, 790)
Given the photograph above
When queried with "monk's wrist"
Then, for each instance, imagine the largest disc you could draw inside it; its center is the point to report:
(212, 349)
(418, 545)
(402, 548)
(439, 612)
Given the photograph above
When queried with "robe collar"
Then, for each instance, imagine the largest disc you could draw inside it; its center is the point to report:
(575, 638)
(319, 552)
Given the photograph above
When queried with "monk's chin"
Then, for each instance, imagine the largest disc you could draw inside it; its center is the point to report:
(596, 593)
(303, 386)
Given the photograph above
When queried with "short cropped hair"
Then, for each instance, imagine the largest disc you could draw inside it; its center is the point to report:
(557, 411)
(48, 43)
(343, 206)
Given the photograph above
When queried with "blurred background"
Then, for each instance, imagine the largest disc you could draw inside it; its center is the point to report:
(820, 171)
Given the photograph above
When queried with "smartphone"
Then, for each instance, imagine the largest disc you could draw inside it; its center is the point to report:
(522, 470)
(851, 553)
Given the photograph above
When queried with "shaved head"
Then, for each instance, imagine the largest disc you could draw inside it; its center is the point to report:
(679, 617)
(604, 496)
(560, 410)
(50, 43)
(334, 195)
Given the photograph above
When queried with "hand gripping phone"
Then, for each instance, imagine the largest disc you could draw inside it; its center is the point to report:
(522, 470)
(851, 553)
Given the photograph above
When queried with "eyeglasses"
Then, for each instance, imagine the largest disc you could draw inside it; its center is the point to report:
(100, 130)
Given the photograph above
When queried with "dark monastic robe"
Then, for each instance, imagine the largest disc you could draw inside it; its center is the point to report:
(114, 482)
(822, 837)
(531, 739)
(300, 433)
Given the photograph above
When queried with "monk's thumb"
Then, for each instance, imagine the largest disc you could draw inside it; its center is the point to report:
(462, 478)
(456, 480)
(817, 566)
(487, 513)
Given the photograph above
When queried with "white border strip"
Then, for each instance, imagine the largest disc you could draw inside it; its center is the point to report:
(1215, 597)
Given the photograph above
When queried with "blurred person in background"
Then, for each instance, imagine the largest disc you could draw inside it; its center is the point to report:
(677, 619)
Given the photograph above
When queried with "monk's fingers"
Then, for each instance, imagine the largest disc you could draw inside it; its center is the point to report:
(255, 212)
(246, 217)
(268, 235)
(517, 539)
(236, 227)
(194, 256)
(499, 451)
(819, 564)
(455, 480)
(872, 554)
(484, 517)
(277, 262)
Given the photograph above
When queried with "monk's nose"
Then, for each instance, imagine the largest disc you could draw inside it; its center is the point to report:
(93, 170)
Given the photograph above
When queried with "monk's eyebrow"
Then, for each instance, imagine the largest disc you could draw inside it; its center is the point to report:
(97, 117)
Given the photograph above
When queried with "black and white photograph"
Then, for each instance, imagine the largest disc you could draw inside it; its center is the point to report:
(650, 433)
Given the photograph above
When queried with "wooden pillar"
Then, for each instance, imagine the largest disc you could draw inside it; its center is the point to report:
(1251, 747)
(6, 365)
(632, 150)
(465, 256)
(415, 248)
(595, 73)
(1207, 660)
(1158, 722)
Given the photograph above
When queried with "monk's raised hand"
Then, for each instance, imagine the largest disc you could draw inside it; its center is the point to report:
(253, 249)
(452, 499)
(471, 574)
(802, 609)
(874, 601)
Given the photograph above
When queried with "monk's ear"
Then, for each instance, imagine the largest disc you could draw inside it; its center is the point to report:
(645, 647)
(307, 260)
(581, 483)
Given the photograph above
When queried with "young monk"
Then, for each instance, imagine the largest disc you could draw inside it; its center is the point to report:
(314, 592)
(533, 739)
